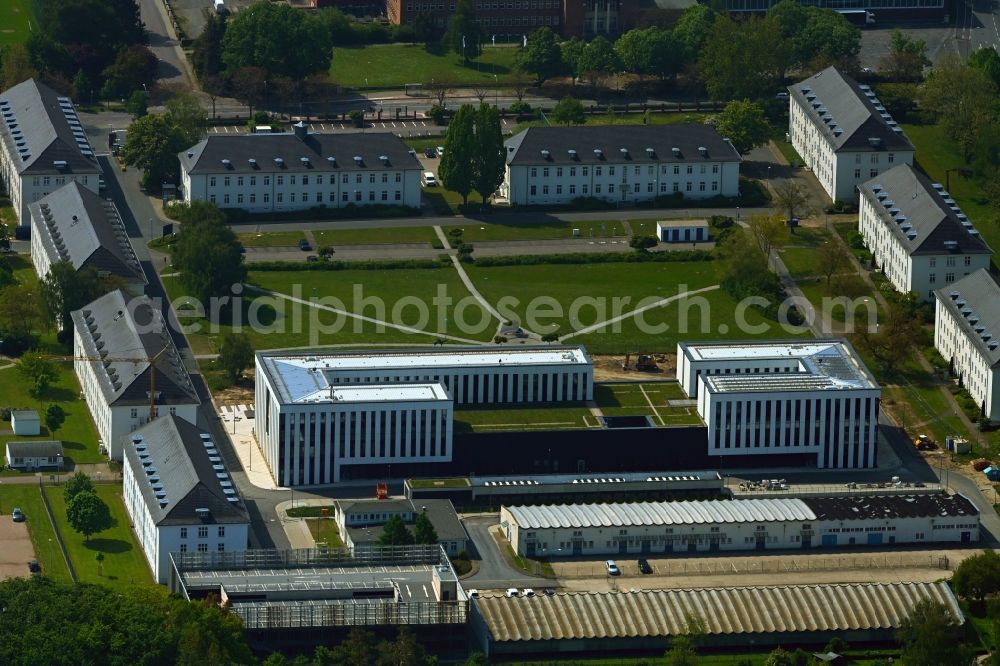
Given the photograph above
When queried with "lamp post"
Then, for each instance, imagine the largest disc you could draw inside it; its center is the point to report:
(496, 91)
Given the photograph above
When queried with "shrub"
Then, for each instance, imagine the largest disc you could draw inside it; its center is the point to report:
(643, 242)
(357, 117)
(590, 203)
(856, 240)
(5, 413)
(350, 211)
(499, 339)
(841, 206)
(551, 337)
(326, 252)
(521, 109)
(438, 114)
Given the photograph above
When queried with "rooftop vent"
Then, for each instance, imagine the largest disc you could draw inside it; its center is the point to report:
(331, 160)
(598, 153)
(301, 130)
(304, 161)
(190, 154)
(227, 164)
(358, 159)
(624, 152)
(572, 154)
(874, 142)
(676, 151)
(61, 165)
(650, 153)
(546, 155)
(384, 159)
(253, 163)
(280, 162)
(703, 151)
(951, 245)
(202, 512)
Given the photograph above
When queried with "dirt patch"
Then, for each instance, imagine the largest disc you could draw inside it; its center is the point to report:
(17, 548)
(608, 368)
(241, 394)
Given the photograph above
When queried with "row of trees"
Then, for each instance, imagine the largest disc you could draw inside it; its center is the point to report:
(154, 140)
(87, 48)
(473, 152)
(395, 532)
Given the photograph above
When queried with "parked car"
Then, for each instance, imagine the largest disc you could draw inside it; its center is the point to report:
(429, 179)
(473, 594)
(612, 568)
(34, 566)
(644, 567)
(18, 515)
(528, 592)
(304, 245)
(440, 150)
(430, 153)
(549, 591)
(512, 592)
(312, 257)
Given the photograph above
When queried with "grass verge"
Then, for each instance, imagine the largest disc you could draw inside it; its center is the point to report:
(385, 65)
(28, 498)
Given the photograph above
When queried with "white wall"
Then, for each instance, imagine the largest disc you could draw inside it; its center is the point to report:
(560, 184)
(27, 190)
(970, 366)
(266, 191)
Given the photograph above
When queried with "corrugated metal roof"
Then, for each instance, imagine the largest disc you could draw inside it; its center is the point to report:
(741, 610)
(660, 513)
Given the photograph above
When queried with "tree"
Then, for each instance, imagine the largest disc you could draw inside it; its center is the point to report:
(571, 51)
(76, 484)
(185, 112)
(100, 563)
(769, 232)
(542, 57)
(88, 514)
(681, 652)
(598, 60)
(249, 85)
(17, 66)
(278, 39)
(692, 30)
(64, 289)
(633, 51)
(54, 418)
(358, 649)
(20, 314)
(38, 370)
(207, 253)
(152, 145)
(978, 577)
(827, 39)
(394, 533)
(898, 330)
(907, 57)
(930, 637)
(778, 657)
(206, 53)
(831, 259)
(404, 651)
(136, 104)
(423, 530)
(962, 97)
(459, 153)
(743, 122)
(790, 197)
(987, 60)
(83, 88)
(569, 111)
(132, 69)
(463, 35)
(741, 60)
(235, 355)
(489, 160)
(745, 268)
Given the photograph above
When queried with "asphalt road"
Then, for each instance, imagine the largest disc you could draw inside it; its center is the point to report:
(173, 69)
(494, 572)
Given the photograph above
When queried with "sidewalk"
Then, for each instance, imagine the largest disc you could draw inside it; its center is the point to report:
(239, 424)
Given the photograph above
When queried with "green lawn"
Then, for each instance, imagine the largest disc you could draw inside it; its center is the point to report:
(439, 483)
(540, 417)
(646, 400)
(653, 118)
(446, 202)
(936, 153)
(599, 292)
(124, 564)
(29, 499)
(16, 21)
(335, 237)
(271, 238)
(324, 530)
(393, 65)
(550, 229)
(77, 433)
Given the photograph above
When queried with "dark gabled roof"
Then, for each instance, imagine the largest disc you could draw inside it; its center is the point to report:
(49, 449)
(118, 328)
(867, 507)
(851, 109)
(184, 473)
(918, 215)
(207, 155)
(526, 147)
(42, 128)
(974, 302)
(75, 225)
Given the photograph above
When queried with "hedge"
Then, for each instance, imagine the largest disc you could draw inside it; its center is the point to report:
(374, 265)
(595, 258)
(350, 211)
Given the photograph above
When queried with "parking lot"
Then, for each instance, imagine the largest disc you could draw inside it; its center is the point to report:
(17, 549)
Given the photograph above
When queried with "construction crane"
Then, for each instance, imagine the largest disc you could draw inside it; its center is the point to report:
(126, 359)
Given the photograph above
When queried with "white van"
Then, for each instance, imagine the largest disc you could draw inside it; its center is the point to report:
(220, 7)
(429, 179)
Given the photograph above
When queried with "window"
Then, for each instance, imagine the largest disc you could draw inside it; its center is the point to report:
(967, 261)
(239, 197)
(291, 197)
(933, 262)
(291, 180)
(278, 180)
(949, 261)
(545, 189)
(345, 179)
(677, 169)
(385, 178)
(572, 189)
(222, 547)
(267, 180)
(585, 170)
(545, 172)
(874, 158)
(611, 171)
(585, 188)
(534, 172)
(319, 179)
(611, 188)
(399, 196)
(572, 171)
(222, 530)
(253, 181)
(558, 189)
(253, 198)
(371, 177)
(857, 158)
(239, 181)
(202, 547)
(688, 187)
(267, 197)
(371, 196)
(715, 168)
(873, 173)
(598, 170)
(203, 532)
(211, 181)
(184, 548)
(857, 172)
(690, 169)
(932, 277)
(558, 172)
(134, 412)
(357, 178)
(305, 180)
(305, 197)
(225, 197)
(184, 533)
(892, 158)
(385, 195)
(597, 189)
(949, 277)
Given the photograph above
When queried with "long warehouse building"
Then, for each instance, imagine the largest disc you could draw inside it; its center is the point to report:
(322, 412)
(778, 397)
(738, 525)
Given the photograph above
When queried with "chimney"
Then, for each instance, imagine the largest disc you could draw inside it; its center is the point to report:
(301, 130)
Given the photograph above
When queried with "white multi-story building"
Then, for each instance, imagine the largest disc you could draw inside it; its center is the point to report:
(324, 411)
(916, 232)
(42, 146)
(966, 326)
(780, 397)
(73, 224)
(295, 171)
(843, 132)
(622, 163)
(636, 528)
(123, 351)
(178, 494)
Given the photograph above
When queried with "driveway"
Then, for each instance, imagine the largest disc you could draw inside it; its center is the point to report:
(494, 572)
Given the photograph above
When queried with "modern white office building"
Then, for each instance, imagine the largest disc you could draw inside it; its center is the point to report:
(916, 232)
(966, 325)
(843, 132)
(122, 347)
(319, 412)
(619, 163)
(264, 173)
(73, 224)
(743, 524)
(179, 495)
(775, 397)
(42, 146)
